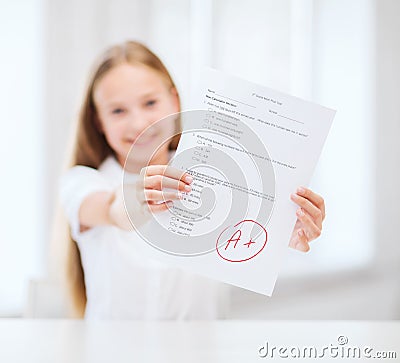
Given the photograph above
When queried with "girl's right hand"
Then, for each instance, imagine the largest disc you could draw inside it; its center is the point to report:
(155, 178)
(133, 204)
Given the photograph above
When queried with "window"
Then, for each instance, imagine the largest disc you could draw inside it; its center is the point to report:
(321, 51)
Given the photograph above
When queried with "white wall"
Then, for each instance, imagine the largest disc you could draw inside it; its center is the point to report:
(22, 225)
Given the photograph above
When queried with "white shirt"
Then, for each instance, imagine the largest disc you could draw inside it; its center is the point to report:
(121, 283)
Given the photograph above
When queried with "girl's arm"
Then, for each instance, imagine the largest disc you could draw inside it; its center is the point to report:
(143, 197)
(95, 210)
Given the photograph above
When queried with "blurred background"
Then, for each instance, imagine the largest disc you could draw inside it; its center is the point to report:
(342, 54)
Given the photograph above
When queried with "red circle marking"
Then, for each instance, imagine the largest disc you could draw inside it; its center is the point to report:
(249, 258)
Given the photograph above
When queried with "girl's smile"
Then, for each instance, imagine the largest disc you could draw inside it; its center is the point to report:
(143, 140)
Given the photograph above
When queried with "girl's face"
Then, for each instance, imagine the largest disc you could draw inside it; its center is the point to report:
(128, 99)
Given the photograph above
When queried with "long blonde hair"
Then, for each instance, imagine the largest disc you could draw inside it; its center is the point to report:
(91, 149)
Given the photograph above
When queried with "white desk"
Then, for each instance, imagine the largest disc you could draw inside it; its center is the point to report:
(220, 341)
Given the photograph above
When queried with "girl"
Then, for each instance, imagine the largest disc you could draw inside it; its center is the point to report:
(129, 90)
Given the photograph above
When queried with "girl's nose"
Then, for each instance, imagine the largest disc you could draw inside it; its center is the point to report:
(138, 123)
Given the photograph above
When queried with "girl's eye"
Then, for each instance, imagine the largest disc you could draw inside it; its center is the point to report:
(117, 111)
(151, 103)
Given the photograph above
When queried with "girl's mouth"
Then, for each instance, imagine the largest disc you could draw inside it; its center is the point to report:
(143, 141)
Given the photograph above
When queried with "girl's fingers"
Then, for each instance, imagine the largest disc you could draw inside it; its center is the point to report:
(311, 230)
(314, 198)
(310, 217)
(159, 182)
(168, 171)
(152, 195)
(309, 207)
(160, 207)
(302, 241)
(294, 237)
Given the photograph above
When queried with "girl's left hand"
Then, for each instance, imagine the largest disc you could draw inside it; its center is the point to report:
(310, 216)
